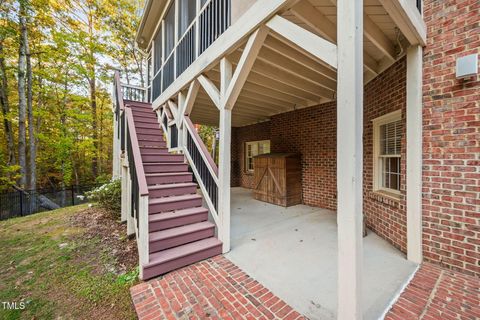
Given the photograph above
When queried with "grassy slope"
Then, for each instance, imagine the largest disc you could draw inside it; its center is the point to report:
(67, 282)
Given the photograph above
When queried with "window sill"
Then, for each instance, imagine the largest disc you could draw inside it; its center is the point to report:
(249, 173)
(388, 198)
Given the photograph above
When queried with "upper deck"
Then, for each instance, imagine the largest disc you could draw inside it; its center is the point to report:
(186, 39)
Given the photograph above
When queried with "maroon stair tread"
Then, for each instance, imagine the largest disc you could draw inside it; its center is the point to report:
(174, 198)
(151, 150)
(172, 185)
(144, 113)
(149, 119)
(164, 204)
(172, 189)
(145, 119)
(182, 251)
(160, 167)
(168, 177)
(176, 214)
(179, 257)
(156, 157)
(148, 125)
(137, 103)
(178, 236)
(177, 218)
(177, 231)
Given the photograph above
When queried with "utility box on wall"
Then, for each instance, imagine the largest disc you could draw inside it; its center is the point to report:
(467, 66)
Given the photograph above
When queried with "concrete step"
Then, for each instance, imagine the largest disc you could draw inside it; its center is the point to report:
(174, 237)
(159, 157)
(173, 177)
(174, 258)
(165, 204)
(172, 189)
(177, 218)
(160, 167)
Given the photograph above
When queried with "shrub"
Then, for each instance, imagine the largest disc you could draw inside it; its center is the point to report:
(108, 196)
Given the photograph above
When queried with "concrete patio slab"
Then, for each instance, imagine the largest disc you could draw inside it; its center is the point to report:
(293, 252)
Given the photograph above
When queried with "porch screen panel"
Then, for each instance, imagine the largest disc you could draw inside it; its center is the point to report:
(168, 70)
(156, 86)
(169, 31)
(186, 15)
(157, 60)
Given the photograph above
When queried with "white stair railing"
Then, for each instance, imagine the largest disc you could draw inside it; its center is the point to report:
(203, 166)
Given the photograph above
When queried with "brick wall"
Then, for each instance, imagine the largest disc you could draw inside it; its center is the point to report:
(451, 189)
(312, 133)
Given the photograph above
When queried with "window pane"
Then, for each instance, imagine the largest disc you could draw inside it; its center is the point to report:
(391, 173)
(391, 138)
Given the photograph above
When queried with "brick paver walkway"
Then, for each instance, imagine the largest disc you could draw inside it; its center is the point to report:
(217, 289)
(438, 293)
(211, 289)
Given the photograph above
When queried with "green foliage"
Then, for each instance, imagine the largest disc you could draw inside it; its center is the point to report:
(8, 175)
(108, 196)
(128, 278)
(73, 44)
(208, 135)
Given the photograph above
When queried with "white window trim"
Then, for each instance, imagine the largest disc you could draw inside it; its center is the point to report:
(377, 122)
(246, 152)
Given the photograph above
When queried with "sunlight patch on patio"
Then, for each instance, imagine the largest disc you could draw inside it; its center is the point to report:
(293, 252)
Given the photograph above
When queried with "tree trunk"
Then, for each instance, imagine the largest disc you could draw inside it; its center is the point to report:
(6, 108)
(22, 99)
(93, 104)
(32, 145)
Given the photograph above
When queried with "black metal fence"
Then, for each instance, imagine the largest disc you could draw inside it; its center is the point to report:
(23, 203)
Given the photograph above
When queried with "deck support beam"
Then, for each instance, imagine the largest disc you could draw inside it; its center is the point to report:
(350, 157)
(414, 153)
(224, 159)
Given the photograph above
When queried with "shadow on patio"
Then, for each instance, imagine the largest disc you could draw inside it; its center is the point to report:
(293, 252)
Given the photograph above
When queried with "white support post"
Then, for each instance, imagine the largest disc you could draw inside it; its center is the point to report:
(179, 119)
(143, 234)
(125, 195)
(414, 153)
(349, 157)
(130, 219)
(224, 163)
(116, 170)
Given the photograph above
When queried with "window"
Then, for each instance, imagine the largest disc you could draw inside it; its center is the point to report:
(252, 149)
(387, 137)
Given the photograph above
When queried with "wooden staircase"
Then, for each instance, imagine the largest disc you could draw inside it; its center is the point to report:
(179, 231)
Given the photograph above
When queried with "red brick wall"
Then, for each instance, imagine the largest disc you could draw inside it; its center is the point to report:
(312, 133)
(451, 189)
(309, 132)
(385, 215)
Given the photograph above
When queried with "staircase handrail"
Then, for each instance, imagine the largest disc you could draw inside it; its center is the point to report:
(207, 158)
(137, 157)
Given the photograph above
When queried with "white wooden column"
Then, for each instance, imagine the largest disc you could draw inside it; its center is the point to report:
(116, 170)
(349, 157)
(224, 159)
(414, 153)
(125, 195)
